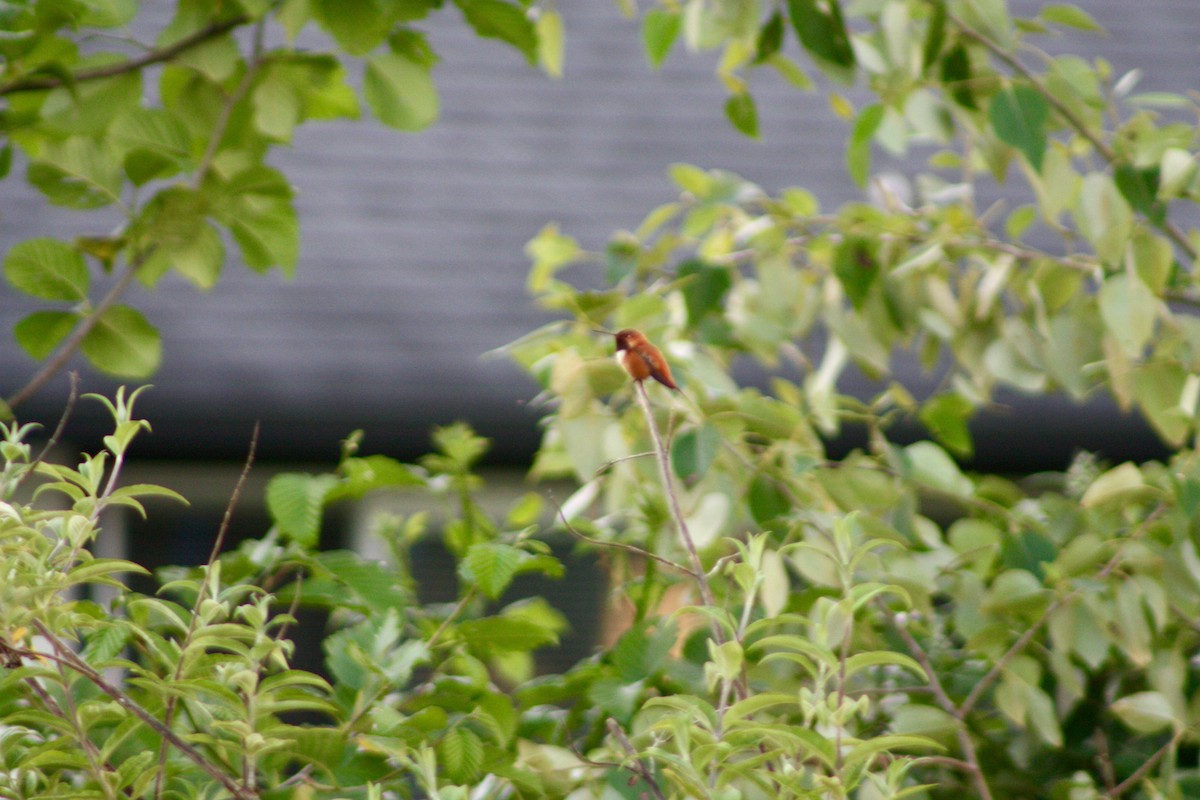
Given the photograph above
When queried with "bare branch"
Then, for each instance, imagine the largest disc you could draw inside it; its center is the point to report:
(43, 82)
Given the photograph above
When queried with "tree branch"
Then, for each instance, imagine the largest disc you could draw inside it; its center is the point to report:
(65, 655)
(1078, 125)
(43, 82)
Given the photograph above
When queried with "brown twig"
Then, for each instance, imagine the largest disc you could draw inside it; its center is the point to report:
(636, 765)
(72, 342)
(1073, 120)
(201, 595)
(42, 82)
(1147, 765)
(970, 757)
(65, 655)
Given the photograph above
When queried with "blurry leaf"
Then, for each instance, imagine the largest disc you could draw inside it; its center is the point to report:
(1146, 712)
(358, 26)
(770, 38)
(550, 251)
(858, 154)
(506, 634)
(935, 36)
(373, 583)
(741, 111)
(766, 499)
(930, 465)
(694, 450)
(1158, 388)
(491, 566)
(946, 417)
(957, 78)
(296, 502)
(496, 19)
(822, 31)
(1070, 16)
(460, 753)
(1140, 188)
(855, 266)
(1129, 310)
(550, 38)
(1104, 217)
(47, 268)
(123, 343)
(660, 29)
(1019, 115)
(400, 92)
(704, 287)
(42, 331)
(1117, 483)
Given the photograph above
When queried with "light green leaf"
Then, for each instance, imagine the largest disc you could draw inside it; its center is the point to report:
(359, 26)
(1104, 217)
(47, 268)
(742, 113)
(491, 566)
(42, 331)
(858, 154)
(1070, 16)
(1129, 310)
(930, 465)
(660, 29)
(78, 173)
(1146, 712)
(550, 38)
(400, 92)
(1116, 483)
(123, 343)
(296, 502)
(506, 634)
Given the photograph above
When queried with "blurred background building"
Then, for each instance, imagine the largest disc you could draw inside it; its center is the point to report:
(412, 263)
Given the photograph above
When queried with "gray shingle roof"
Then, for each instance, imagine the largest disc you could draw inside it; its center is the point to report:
(412, 260)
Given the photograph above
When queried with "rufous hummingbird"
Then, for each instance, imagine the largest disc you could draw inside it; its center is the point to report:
(641, 359)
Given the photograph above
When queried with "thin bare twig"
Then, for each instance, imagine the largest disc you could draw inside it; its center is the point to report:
(72, 342)
(636, 765)
(201, 595)
(628, 548)
(65, 655)
(970, 756)
(162, 54)
(1073, 120)
(1136, 776)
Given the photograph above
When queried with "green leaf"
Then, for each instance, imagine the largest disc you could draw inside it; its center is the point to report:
(858, 154)
(42, 331)
(741, 111)
(956, 76)
(1140, 188)
(1070, 16)
(693, 451)
(946, 417)
(460, 753)
(358, 26)
(495, 19)
(374, 584)
(1019, 115)
(766, 499)
(770, 38)
(822, 31)
(123, 343)
(660, 30)
(400, 92)
(79, 173)
(856, 269)
(1116, 484)
(1104, 217)
(935, 36)
(47, 268)
(505, 634)
(1146, 712)
(550, 38)
(930, 465)
(491, 566)
(296, 501)
(1129, 310)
